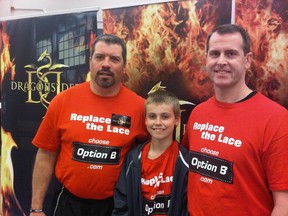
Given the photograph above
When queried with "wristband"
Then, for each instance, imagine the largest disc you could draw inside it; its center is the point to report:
(36, 210)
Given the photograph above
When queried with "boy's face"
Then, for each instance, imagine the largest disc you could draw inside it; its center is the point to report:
(160, 121)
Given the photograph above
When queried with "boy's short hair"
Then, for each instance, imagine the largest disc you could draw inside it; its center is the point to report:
(162, 96)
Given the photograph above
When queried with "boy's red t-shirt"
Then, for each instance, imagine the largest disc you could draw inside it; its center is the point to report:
(157, 180)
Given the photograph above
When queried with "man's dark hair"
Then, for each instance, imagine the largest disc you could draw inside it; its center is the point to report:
(232, 28)
(110, 39)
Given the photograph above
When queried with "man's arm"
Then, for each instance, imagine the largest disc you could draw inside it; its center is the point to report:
(42, 174)
(280, 203)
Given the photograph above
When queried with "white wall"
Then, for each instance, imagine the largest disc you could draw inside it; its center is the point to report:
(13, 9)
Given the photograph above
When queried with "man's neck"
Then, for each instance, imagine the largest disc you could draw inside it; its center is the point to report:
(105, 92)
(232, 95)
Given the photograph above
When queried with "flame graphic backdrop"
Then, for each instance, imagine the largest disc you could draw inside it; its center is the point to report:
(267, 23)
(27, 46)
(167, 42)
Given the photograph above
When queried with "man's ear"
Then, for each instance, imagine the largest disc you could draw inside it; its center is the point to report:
(248, 60)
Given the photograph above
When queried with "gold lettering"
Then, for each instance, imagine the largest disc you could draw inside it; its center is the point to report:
(43, 88)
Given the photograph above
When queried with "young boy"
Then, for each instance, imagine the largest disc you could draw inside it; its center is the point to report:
(153, 179)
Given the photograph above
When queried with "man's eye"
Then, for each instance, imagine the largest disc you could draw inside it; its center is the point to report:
(231, 53)
(98, 57)
(115, 59)
(213, 54)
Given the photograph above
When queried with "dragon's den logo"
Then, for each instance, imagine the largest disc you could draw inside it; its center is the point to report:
(43, 81)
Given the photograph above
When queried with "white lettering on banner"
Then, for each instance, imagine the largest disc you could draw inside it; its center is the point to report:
(215, 133)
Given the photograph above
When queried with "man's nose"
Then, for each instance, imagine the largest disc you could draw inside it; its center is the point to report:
(222, 59)
(106, 62)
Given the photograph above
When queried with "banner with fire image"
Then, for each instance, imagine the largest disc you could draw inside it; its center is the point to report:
(40, 57)
(166, 42)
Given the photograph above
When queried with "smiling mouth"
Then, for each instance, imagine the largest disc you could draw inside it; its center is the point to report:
(222, 71)
(158, 129)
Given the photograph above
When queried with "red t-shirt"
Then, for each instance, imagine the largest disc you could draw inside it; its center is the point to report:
(157, 180)
(93, 135)
(238, 156)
